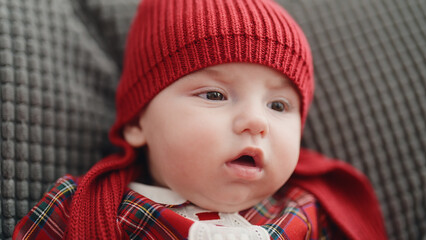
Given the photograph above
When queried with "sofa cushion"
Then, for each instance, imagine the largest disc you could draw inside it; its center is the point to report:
(60, 62)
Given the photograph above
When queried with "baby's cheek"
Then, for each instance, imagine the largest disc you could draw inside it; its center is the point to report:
(286, 160)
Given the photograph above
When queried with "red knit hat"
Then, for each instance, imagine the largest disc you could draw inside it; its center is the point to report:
(167, 40)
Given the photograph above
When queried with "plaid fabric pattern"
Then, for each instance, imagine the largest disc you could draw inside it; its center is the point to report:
(291, 213)
(48, 219)
(141, 218)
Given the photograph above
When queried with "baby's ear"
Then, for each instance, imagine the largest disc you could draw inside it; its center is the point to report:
(134, 135)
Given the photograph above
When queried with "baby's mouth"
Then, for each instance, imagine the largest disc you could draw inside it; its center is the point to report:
(248, 165)
(245, 160)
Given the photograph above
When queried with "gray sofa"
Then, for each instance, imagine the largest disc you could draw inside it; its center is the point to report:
(60, 61)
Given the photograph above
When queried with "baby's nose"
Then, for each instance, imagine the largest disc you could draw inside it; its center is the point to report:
(252, 121)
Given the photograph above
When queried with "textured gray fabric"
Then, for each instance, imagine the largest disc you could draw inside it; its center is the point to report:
(369, 107)
(60, 60)
(57, 91)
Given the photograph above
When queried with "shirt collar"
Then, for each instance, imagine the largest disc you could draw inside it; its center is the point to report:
(157, 194)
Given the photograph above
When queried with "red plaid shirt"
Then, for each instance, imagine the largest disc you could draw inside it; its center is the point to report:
(291, 213)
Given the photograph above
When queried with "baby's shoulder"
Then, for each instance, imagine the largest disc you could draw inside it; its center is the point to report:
(62, 190)
(295, 196)
(66, 184)
(54, 208)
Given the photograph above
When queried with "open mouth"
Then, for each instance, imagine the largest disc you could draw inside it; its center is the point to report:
(249, 157)
(248, 165)
(245, 160)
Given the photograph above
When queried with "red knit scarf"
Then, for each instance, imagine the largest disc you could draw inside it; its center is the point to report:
(343, 192)
(95, 203)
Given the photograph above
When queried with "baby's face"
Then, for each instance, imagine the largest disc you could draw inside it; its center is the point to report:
(225, 137)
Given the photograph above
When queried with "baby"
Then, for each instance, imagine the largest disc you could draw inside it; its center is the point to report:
(225, 137)
(210, 110)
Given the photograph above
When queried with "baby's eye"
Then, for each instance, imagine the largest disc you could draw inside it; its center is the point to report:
(213, 95)
(279, 106)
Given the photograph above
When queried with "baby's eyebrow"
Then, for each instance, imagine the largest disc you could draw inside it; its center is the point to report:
(213, 72)
(279, 83)
(216, 75)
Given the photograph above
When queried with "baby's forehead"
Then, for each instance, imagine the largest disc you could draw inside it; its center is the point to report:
(231, 72)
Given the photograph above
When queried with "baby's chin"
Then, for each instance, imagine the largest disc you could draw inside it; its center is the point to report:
(226, 206)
